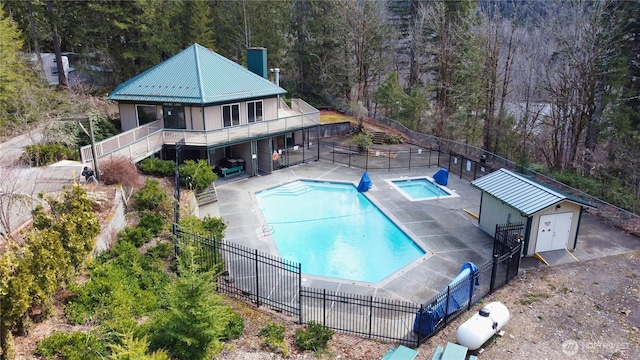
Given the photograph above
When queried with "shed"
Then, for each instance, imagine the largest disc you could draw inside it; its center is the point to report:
(551, 217)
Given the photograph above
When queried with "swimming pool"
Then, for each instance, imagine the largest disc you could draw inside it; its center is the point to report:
(335, 231)
(421, 188)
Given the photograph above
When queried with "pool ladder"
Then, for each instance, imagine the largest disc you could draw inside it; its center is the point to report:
(267, 230)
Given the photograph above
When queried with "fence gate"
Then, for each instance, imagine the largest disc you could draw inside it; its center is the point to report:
(507, 239)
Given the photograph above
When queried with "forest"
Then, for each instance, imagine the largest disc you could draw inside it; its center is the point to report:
(552, 85)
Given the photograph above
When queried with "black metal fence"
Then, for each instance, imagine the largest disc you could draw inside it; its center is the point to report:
(471, 162)
(248, 274)
(402, 156)
(266, 280)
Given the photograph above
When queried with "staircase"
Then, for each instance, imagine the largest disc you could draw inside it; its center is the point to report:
(378, 137)
(207, 195)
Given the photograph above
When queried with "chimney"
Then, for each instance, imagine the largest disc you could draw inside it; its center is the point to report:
(257, 61)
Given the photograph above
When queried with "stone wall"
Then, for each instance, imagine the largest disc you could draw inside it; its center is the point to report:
(113, 223)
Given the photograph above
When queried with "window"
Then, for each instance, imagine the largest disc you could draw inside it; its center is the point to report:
(231, 115)
(146, 114)
(174, 116)
(254, 111)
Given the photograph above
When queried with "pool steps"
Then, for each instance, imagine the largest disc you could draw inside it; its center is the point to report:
(293, 189)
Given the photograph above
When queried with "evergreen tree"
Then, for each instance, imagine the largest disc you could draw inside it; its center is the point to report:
(317, 55)
(14, 72)
(193, 324)
(200, 25)
(389, 96)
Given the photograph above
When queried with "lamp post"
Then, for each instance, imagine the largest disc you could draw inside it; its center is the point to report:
(176, 207)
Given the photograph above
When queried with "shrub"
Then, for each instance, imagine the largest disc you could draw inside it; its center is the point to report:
(133, 348)
(196, 175)
(103, 128)
(73, 346)
(152, 222)
(152, 197)
(45, 154)
(314, 337)
(120, 170)
(234, 328)
(362, 140)
(124, 285)
(161, 251)
(157, 167)
(215, 227)
(272, 337)
(393, 139)
(135, 235)
(207, 226)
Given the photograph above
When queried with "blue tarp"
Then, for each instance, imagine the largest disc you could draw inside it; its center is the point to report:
(365, 183)
(461, 292)
(441, 177)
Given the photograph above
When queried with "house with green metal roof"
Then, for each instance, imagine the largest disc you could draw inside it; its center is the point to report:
(550, 218)
(231, 115)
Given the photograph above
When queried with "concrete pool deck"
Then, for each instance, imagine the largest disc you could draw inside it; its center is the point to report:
(448, 235)
(442, 227)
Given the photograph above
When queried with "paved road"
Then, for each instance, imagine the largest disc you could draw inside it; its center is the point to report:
(27, 182)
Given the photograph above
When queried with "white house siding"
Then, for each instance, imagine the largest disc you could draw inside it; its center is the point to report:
(269, 108)
(128, 117)
(565, 206)
(213, 117)
(195, 118)
(493, 211)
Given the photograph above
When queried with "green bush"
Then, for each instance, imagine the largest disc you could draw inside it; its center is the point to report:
(152, 222)
(73, 346)
(315, 337)
(234, 328)
(208, 226)
(157, 167)
(124, 285)
(151, 197)
(393, 139)
(103, 128)
(272, 337)
(133, 348)
(362, 140)
(135, 235)
(196, 175)
(45, 154)
(161, 251)
(214, 226)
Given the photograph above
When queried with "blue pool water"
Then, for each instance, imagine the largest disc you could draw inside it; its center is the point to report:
(334, 231)
(420, 188)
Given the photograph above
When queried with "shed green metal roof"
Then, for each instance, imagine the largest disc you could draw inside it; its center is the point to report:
(522, 193)
(195, 75)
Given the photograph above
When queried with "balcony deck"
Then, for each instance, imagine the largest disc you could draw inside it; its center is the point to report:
(139, 143)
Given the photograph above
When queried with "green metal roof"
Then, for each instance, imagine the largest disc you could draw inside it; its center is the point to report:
(522, 193)
(195, 75)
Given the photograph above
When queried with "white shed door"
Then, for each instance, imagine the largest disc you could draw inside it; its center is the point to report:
(553, 232)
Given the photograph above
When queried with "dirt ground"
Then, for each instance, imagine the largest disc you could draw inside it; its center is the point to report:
(586, 310)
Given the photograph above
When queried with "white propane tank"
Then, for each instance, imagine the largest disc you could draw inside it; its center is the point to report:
(483, 325)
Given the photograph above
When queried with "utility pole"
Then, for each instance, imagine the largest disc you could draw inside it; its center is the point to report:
(90, 133)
